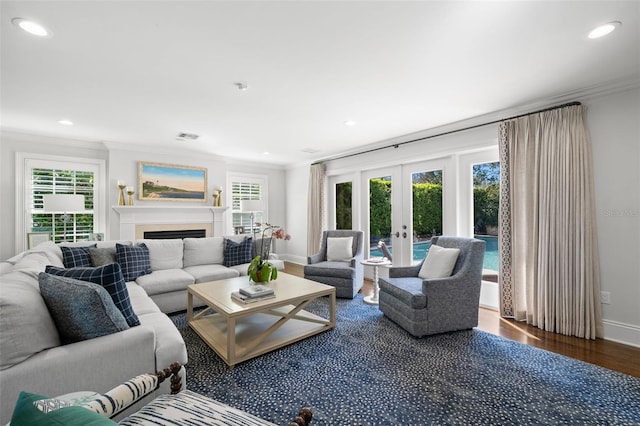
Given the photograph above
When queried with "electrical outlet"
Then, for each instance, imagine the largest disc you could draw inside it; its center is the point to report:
(605, 297)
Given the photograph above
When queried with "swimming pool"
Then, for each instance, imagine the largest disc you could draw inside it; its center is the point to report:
(421, 249)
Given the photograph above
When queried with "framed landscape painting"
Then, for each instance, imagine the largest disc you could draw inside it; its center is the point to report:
(167, 182)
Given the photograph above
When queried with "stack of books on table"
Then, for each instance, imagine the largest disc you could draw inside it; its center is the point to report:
(253, 293)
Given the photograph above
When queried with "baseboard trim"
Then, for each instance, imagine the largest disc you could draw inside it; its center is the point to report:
(620, 332)
(489, 295)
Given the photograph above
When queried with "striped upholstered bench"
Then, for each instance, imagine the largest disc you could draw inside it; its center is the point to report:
(181, 407)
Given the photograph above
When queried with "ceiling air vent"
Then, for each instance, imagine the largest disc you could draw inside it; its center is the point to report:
(310, 150)
(187, 137)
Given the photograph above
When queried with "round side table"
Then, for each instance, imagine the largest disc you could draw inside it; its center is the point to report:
(373, 299)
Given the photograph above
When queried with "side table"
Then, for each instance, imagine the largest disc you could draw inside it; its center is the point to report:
(375, 262)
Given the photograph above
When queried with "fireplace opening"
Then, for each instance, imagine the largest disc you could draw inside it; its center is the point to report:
(177, 233)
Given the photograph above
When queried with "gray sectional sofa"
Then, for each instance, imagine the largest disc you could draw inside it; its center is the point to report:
(32, 356)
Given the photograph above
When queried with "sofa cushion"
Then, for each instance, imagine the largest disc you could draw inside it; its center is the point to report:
(133, 260)
(330, 269)
(339, 248)
(102, 256)
(164, 254)
(165, 281)
(25, 413)
(140, 300)
(26, 326)
(203, 251)
(204, 273)
(439, 263)
(81, 310)
(237, 253)
(108, 276)
(76, 257)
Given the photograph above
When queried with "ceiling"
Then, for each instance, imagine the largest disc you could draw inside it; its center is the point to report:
(135, 74)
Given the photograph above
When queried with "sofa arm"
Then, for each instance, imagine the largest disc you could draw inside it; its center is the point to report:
(97, 364)
(314, 258)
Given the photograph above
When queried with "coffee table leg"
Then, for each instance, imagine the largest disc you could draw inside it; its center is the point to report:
(189, 306)
(231, 342)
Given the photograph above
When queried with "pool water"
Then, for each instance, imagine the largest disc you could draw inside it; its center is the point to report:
(421, 249)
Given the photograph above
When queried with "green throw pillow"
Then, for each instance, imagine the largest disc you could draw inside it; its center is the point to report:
(26, 414)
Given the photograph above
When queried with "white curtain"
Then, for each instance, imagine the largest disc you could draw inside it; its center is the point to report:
(316, 211)
(549, 265)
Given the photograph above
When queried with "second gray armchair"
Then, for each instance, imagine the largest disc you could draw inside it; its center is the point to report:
(339, 262)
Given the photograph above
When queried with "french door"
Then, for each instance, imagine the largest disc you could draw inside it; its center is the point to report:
(406, 205)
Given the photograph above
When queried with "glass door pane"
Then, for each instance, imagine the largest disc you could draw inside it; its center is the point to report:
(426, 191)
(486, 196)
(380, 211)
(344, 205)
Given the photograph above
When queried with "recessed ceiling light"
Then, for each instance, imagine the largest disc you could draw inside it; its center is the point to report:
(65, 122)
(32, 27)
(265, 153)
(605, 29)
(349, 123)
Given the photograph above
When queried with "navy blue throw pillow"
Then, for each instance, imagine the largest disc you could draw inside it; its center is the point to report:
(134, 260)
(76, 257)
(237, 253)
(108, 276)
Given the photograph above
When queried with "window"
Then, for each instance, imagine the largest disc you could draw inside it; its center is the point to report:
(246, 187)
(43, 175)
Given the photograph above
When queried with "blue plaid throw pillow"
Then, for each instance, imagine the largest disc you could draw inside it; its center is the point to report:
(109, 277)
(76, 257)
(134, 260)
(237, 253)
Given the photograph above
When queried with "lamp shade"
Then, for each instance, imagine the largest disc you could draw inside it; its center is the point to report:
(247, 206)
(63, 203)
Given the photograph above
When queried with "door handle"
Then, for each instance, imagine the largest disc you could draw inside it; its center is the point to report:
(397, 234)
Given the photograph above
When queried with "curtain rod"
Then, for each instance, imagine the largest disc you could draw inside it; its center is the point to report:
(396, 145)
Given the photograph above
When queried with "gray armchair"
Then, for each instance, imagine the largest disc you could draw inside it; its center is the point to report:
(346, 276)
(437, 305)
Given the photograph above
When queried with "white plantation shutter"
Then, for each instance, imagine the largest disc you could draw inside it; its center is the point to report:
(61, 181)
(246, 188)
(41, 174)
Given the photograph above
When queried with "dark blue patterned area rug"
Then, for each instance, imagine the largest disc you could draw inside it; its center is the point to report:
(368, 371)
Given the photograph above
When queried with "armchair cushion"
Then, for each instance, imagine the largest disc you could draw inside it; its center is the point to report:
(339, 248)
(407, 290)
(439, 263)
(330, 269)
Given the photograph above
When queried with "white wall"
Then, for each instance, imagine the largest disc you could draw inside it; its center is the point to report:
(613, 121)
(10, 143)
(297, 190)
(122, 164)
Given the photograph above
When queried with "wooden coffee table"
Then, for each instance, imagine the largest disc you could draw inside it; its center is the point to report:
(238, 332)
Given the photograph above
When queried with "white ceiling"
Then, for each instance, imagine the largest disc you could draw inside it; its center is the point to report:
(139, 73)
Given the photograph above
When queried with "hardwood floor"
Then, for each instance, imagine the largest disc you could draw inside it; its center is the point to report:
(611, 355)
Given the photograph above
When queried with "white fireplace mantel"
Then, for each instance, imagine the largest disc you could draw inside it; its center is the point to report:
(131, 216)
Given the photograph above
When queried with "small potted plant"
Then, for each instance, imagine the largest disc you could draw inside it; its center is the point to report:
(260, 269)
